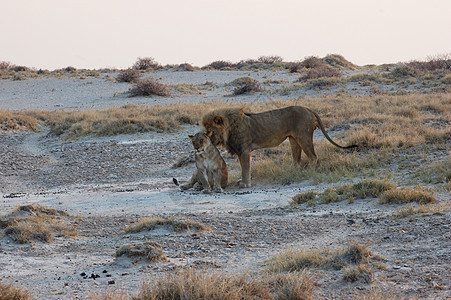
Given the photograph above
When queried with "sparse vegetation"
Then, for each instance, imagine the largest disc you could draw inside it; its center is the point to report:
(146, 63)
(423, 210)
(245, 85)
(176, 225)
(149, 87)
(37, 223)
(128, 75)
(10, 292)
(400, 196)
(150, 250)
(299, 259)
(192, 285)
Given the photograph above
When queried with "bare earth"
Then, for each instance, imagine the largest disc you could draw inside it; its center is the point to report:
(114, 182)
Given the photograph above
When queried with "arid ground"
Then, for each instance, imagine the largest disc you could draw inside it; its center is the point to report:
(108, 183)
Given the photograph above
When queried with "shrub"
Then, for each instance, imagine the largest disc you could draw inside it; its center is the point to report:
(338, 61)
(187, 67)
(128, 75)
(5, 65)
(19, 68)
(270, 60)
(148, 87)
(432, 63)
(321, 71)
(246, 85)
(221, 64)
(313, 62)
(294, 67)
(146, 63)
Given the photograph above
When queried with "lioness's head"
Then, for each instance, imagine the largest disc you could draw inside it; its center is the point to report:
(200, 140)
(220, 122)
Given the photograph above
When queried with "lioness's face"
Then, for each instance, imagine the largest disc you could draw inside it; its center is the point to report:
(200, 141)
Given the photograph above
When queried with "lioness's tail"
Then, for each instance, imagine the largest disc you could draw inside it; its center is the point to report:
(321, 126)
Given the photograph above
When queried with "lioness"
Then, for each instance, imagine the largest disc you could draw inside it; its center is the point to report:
(241, 133)
(211, 168)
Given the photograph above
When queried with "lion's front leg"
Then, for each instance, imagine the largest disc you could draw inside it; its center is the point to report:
(245, 162)
(203, 178)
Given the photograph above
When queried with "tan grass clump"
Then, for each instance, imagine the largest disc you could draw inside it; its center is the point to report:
(401, 196)
(423, 210)
(176, 225)
(10, 292)
(189, 284)
(362, 271)
(300, 259)
(245, 85)
(150, 250)
(37, 223)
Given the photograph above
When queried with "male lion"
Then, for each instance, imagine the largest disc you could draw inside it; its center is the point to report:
(211, 167)
(241, 133)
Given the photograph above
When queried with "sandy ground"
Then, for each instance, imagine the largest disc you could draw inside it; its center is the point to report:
(114, 182)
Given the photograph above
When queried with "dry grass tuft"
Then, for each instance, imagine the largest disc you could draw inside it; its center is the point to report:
(150, 250)
(362, 271)
(176, 225)
(423, 210)
(193, 285)
(36, 223)
(9, 292)
(400, 196)
(385, 191)
(297, 260)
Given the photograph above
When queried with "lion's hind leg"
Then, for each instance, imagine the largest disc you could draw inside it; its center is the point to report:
(191, 182)
(295, 150)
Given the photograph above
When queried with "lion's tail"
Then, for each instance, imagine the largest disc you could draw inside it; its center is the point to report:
(321, 126)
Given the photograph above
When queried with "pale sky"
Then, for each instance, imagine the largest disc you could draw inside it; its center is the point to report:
(54, 34)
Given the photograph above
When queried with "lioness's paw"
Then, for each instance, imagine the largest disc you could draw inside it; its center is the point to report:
(206, 191)
(218, 190)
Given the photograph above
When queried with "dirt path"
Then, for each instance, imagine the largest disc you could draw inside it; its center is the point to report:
(114, 182)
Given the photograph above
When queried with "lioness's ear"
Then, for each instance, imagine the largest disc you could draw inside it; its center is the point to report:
(190, 137)
(209, 133)
(218, 120)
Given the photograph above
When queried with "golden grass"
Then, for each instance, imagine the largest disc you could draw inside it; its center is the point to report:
(192, 285)
(400, 196)
(423, 210)
(37, 223)
(354, 273)
(361, 190)
(150, 250)
(10, 292)
(176, 225)
(299, 259)
(334, 164)
(383, 121)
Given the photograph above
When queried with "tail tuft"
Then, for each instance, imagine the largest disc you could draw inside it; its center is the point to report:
(176, 182)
